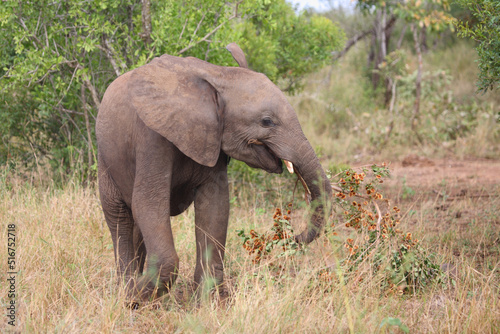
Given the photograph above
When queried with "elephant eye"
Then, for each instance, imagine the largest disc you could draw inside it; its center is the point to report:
(267, 122)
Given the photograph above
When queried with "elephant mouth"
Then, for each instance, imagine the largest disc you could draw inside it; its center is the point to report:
(269, 161)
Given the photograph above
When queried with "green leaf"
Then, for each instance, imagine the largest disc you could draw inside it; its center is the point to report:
(394, 322)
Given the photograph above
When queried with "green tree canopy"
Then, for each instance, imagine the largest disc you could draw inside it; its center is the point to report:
(486, 32)
(59, 56)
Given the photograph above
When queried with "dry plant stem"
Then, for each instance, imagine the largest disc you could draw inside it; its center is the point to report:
(367, 198)
(294, 188)
(308, 193)
(379, 213)
(359, 167)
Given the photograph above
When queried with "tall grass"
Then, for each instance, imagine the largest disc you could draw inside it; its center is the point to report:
(67, 281)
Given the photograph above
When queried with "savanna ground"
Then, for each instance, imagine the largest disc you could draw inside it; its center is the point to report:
(447, 188)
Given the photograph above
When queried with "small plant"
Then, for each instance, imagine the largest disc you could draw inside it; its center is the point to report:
(398, 257)
(281, 235)
(408, 192)
(380, 249)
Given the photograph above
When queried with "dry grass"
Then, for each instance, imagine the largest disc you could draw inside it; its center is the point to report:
(67, 282)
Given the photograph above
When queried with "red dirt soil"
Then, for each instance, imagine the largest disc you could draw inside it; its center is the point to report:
(462, 175)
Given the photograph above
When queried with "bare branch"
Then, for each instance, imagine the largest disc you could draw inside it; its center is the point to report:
(205, 38)
(90, 150)
(401, 36)
(36, 41)
(60, 109)
(356, 38)
(93, 91)
(146, 21)
(110, 54)
(70, 111)
(69, 85)
(183, 28)
(351, 42)
(197, 27)
(88, 84)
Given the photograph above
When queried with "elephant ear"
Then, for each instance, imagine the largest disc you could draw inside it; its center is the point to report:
(238, 54)
(171, 99)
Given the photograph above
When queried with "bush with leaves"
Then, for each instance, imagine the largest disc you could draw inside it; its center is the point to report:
(261, 245)
(486, 32)
(59, 57)
(380, 251)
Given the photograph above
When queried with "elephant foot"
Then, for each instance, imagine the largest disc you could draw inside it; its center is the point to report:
(207, 291)
(185, 294)
(144, 290)
(133, 305)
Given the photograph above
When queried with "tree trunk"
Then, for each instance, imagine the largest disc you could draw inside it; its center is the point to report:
(423, 40)
(90, 149)
(401, 37)
(146, 21)
(418, 82)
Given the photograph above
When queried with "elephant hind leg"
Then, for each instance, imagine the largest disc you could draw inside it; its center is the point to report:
(121, 226)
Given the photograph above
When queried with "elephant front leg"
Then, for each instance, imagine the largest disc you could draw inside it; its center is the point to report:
(151, 211)
(211, 214)
(162, 259)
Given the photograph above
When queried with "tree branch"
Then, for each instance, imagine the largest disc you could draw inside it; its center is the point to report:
(183, 28)
(90, 87)
(205, 38)
(146, 21)
(90, 149)
(197, 27)
(109, 52)
(351, 42)
(93, 91)
(36, 41)
(356, 38)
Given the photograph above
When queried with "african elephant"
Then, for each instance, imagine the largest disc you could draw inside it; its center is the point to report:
(165, 133)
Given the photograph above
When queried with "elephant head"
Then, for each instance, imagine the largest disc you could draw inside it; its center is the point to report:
(203, 109)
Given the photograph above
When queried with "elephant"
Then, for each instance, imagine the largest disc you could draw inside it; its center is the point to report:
(165, 134)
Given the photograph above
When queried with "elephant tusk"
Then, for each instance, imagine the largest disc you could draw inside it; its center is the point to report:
(255, 141)
(288, 165)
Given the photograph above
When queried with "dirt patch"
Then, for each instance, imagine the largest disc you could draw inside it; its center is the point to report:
(424, 173)
(416, 161)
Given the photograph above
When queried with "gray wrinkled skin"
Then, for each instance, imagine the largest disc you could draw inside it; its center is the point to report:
(164, 134)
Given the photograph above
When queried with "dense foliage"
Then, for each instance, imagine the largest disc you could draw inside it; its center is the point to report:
(486, 32)
(58, 57)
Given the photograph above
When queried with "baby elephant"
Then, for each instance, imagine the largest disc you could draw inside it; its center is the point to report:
(165, 133)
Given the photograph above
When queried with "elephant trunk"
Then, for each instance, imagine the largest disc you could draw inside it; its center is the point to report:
(312, 174)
